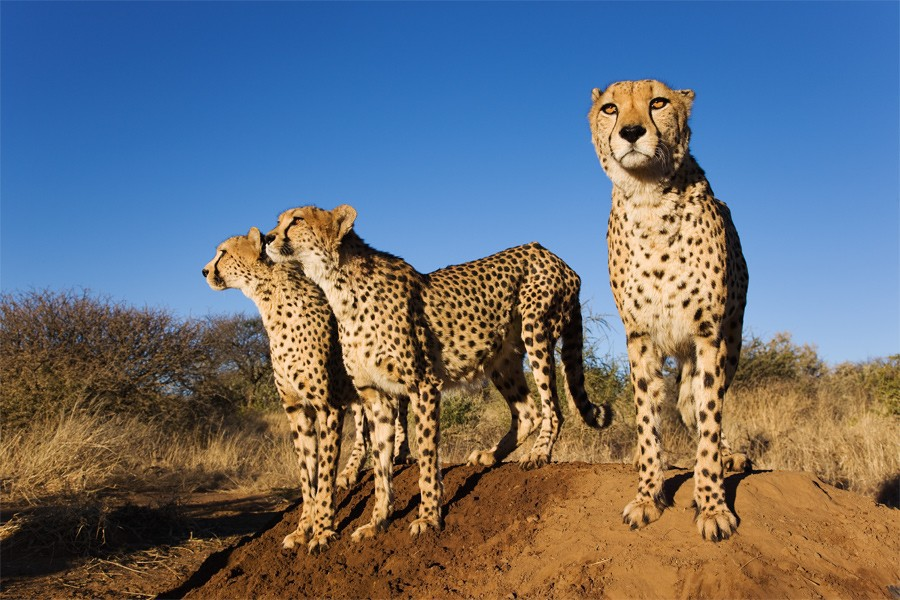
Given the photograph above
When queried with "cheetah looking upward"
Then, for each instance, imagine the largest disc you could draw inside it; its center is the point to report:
(407, 332)
(679, 280)
(309, 374)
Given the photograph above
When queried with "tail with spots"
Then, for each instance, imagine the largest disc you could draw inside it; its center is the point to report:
(573, 367)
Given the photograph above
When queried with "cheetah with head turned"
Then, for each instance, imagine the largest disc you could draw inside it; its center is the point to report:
(680, 284)
(404, 332)
(309, 375)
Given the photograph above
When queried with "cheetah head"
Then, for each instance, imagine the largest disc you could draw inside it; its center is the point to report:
(640, 129)
(311, 236)
(235, 262)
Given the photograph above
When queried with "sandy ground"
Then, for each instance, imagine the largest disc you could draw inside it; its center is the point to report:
(557, 533)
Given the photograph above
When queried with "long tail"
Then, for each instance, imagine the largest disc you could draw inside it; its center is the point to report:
(573, 367)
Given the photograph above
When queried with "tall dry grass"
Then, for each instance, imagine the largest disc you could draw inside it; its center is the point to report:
(86, 453)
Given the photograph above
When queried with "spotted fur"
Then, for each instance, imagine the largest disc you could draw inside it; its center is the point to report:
(404, 332)
(309, 375)
(680, 283)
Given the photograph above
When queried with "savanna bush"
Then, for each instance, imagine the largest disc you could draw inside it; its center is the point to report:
(60, 350)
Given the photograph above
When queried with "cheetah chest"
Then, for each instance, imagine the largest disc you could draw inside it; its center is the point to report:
(665, 271)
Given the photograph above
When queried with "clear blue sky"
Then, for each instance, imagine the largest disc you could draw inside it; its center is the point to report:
(135, 137)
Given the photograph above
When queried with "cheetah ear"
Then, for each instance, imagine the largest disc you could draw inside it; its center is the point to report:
(595, 94)
(344, 216)
(688, 95)
(255, 237)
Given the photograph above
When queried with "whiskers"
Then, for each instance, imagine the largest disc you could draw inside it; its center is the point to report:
(663, 157)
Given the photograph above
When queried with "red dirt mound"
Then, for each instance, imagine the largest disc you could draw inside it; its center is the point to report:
(557, 533)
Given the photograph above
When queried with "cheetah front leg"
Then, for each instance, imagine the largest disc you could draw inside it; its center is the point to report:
(381, 413)
(426, 407)
(714, 519)
(649, 390)
(509, 378)
(353, 469)
(330, 421)
(302, 421)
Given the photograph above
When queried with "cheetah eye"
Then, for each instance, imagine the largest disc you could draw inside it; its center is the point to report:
(609, 109)
(296, 220)
(658, 103)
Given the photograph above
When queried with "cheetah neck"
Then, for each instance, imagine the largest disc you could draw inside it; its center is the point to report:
(336, 277)
(654, 212)
(272, 289)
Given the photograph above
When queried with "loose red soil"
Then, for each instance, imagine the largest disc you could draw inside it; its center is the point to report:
(557, 532)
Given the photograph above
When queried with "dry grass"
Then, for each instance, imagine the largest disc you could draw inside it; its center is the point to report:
(834, 426)
(840, 433)
(80, 452)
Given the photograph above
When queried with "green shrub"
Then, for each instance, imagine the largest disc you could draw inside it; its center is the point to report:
(778, 359)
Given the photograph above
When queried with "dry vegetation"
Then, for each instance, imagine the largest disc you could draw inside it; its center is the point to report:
(100, 401)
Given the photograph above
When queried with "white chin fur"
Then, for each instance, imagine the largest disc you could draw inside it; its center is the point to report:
(274, 254)
(635, 160)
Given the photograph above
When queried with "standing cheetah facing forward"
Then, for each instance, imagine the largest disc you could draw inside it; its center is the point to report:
(309, 374)
(679, 280)
(404, 332)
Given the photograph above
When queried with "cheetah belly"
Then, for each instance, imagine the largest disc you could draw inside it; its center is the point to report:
(372, 370)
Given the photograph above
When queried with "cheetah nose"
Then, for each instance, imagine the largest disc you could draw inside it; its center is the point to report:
(270, 238)
(631, 133)
(205, 272)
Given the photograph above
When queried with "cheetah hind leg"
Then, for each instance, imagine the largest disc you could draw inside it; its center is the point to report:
(735, 462)
(352, 471)
(402, 454)
(510, 380)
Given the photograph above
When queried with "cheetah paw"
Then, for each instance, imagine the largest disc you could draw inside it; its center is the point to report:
(369, 530)
(319, 543)
(347, 479)
(294, 539)
(423, 524)
(404, 459)
(534, 460)
(716, 525)
(642, 511)
(481, 458)
(736, 462)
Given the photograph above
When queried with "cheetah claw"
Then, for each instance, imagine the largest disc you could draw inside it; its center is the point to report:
(716, 525)
(642, 511)
(321, 542)
(534, 461)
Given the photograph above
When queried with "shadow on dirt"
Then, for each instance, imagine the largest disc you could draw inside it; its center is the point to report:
(674, 483)
(54, 536)
(889, 493)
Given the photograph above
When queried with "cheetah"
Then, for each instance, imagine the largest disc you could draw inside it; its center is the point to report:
(309, 375)
(679, 280)
(404, 332)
